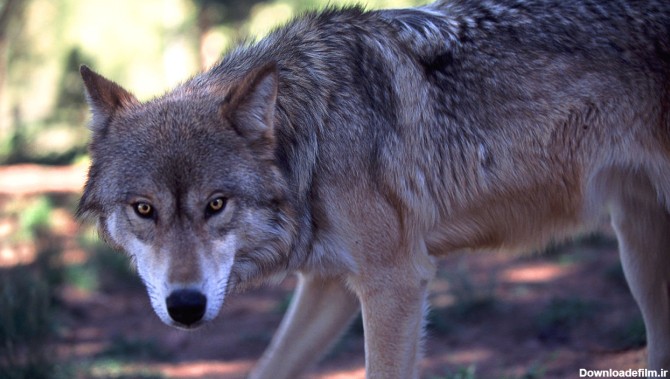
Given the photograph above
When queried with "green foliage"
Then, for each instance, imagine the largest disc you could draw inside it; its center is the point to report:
(82, 276)
(440, 322)
(564, 252)
(460, 373)
(106, 270)
(535, 371)
(470, 298)
(50, 267)
(70, 99)
(631, 335)
(115, 369)
(35, 217)
(127, 349)
(561, 315)
(565, 312)
(472, 301)
(443, 320)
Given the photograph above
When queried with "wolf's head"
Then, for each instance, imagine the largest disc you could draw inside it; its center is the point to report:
(188, 186)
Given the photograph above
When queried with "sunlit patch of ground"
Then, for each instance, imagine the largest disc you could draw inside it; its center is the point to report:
(206, 370)
(27, 179)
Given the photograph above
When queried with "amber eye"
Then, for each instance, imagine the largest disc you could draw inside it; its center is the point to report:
(143, 209)
(216, 205)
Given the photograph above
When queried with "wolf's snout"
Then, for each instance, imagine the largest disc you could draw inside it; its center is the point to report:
(186, 306)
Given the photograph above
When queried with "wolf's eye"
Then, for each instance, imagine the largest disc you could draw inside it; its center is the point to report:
(143, 209)
(215, 206)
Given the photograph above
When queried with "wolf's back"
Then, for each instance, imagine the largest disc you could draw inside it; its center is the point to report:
(536, 24)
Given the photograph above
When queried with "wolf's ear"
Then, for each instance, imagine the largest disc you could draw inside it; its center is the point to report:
(251, 105)
(104, 97)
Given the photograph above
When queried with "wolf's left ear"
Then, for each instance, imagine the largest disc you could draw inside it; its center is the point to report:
(251, 105)
(104, 97)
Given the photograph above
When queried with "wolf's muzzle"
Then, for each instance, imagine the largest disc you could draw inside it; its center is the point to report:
(186, 306)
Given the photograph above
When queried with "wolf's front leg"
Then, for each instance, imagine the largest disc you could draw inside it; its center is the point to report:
(393, 306)
(320, 311)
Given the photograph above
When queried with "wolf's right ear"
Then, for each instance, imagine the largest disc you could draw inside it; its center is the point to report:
(104, 97)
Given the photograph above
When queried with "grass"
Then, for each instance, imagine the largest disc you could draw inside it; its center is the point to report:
(28, 321)
(535, 371)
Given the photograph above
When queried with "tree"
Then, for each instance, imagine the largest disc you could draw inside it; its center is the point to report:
(210, 13)
(11, 11)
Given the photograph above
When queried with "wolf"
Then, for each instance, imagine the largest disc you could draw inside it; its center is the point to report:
(356, 147)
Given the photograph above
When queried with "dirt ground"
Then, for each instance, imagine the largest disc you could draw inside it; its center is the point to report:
(537, 316)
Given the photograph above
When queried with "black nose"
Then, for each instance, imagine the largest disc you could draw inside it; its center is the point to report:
(186, 306)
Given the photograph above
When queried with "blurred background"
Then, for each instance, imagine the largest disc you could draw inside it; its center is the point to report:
(70, 307)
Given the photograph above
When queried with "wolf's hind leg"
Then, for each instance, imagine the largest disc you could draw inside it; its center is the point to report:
(642, 225)
(320, 311)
